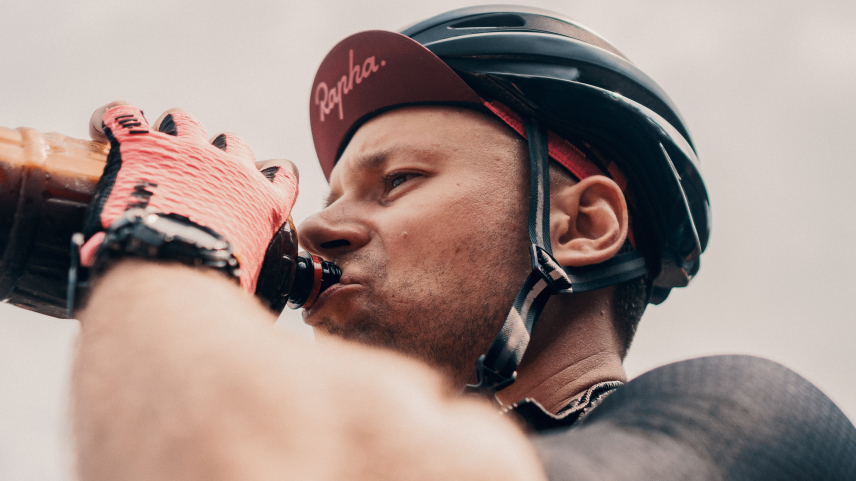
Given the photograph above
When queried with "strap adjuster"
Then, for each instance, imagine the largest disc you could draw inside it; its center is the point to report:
(489, 381)
(550, 270)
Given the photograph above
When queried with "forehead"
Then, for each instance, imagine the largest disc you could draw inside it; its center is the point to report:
(429, 131)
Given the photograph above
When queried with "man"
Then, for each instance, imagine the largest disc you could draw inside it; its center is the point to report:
(434, 165)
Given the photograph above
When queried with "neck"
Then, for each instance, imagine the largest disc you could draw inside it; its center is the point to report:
(574, 346)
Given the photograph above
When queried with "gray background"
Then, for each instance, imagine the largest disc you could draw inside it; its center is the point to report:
(766, 87)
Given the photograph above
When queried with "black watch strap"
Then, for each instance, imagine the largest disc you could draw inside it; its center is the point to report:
(143, 234)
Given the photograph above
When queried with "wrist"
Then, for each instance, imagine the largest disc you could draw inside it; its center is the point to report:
(158, 295)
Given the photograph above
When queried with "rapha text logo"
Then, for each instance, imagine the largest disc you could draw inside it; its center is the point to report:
(327, 98)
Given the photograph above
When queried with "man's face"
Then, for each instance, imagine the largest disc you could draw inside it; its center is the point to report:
(426, 218)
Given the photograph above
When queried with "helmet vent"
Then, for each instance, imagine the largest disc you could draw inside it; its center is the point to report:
(496, 21)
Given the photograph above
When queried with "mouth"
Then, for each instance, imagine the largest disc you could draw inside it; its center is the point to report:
(345, 284)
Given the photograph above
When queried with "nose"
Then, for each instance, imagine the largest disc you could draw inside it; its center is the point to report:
(330, 234)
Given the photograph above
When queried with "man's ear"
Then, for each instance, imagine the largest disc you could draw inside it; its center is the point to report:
(588, 221)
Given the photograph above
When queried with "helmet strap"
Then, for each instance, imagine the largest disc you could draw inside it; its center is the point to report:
(497, 369)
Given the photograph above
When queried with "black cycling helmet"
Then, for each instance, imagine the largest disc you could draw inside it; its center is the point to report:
(558, 77)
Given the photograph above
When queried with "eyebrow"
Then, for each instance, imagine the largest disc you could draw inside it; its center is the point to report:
(372, 161)
(378, 160)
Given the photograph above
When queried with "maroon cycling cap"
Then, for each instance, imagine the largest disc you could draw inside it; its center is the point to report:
(368, 73)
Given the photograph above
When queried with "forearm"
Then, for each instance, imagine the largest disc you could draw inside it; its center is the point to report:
(180, 375)
(165, 356)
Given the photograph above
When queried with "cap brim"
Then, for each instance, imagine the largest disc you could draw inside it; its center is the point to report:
(369, 73)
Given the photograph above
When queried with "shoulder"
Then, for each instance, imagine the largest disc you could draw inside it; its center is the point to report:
(721, 417)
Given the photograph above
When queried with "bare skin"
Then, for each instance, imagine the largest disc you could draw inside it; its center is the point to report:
(427, 219)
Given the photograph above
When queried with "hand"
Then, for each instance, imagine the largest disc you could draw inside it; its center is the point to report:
(171, 168)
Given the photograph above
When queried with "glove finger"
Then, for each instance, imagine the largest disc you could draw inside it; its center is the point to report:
(119, 121)
(271, 168)
(96, 125)
(181, 124)
(124, 119)
(284, 176)
(232, 144)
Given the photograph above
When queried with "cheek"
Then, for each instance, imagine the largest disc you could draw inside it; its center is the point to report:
(452, 229)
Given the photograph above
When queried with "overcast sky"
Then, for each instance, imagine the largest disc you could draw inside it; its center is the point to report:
(768, 89)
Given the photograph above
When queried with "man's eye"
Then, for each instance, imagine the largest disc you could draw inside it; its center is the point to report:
(397, 179)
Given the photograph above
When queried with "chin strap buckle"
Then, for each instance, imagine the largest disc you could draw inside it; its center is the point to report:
(549, 269)
(489, 381)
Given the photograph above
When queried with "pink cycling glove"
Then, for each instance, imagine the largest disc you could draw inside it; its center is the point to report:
(177, 171)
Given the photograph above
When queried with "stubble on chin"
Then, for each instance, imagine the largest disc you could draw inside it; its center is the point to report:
(447, 330)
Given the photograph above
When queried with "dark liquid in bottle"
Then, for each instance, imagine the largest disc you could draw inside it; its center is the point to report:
(46, 181)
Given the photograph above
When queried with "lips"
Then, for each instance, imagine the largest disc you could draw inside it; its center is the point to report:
(346, 283)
